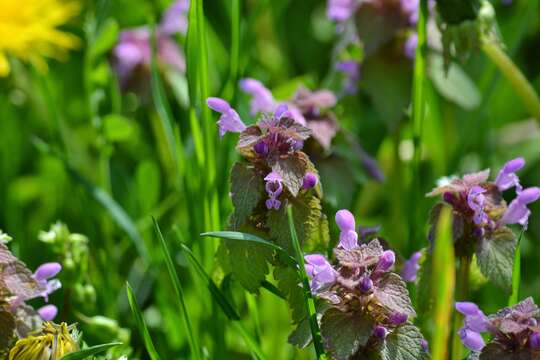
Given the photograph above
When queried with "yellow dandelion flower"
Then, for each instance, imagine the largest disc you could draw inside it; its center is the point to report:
(28, 31)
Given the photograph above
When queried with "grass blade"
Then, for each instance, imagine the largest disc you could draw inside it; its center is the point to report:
(192, 339)
(225, 305)
(90, 351)
(443, 284)
(516, 273)
(234, 235)
(308, 297)
(141, 325)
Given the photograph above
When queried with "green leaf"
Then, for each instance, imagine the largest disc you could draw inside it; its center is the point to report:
(105, 40)
(289, 285)
(455, 85)
(148, 183)
(443, 284)
(404, 343)
(496, 257)
(192, 338)
(345, 333)
(247, 190)
(90, 351)
(117, 127)
(301, 335)
(141, 325)
(516, 273)
(495, 351)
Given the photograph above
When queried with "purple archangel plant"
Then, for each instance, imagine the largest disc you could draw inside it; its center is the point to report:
(481, 217)
(366, 311)
(17, 286)
(514, 331)
(273, 172)
(312, 109)
(132, 54)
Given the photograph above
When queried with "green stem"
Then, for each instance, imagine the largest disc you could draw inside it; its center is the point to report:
(516, 78)
(462, 290)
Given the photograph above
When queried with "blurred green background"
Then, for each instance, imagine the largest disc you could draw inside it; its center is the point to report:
(75, 148)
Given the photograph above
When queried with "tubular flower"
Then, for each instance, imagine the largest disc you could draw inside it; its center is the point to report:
(411, 267)
(274, 188)
(361, 288)
(29, 31)
(229, 121)
(514, 331)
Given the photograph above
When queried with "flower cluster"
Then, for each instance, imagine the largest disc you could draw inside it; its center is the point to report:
(515, 330)
(360, 288)
(134, 51)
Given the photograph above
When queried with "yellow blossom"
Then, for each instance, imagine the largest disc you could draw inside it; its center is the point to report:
(29, 31)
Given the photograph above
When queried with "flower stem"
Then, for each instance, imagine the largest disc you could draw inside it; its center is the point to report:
(462, 290)
(516, 78)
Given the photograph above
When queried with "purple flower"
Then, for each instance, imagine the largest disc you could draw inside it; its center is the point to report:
(425, 345)
(517, 212)
(410, 7)
(282, 110)
(48, 312)
(44, 275)
(262, 99)
(475, 320)
(341, 10)
(274, 188)
(345, 220)
(319, 270)
(409, 48)
(380, 332)
(366, 284)
(476, 201)
(507, 177)
(310, 180)
(175, 18)
(261, 148)
(411, 267)
(398, 318)
(471, 339)
(534, 340)
(229, 119)
(351, 69)
(386, 261)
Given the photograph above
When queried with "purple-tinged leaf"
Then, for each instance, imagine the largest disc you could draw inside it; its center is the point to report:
(390, 291)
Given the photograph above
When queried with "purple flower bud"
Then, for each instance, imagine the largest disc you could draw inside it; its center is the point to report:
(310, 180)
(471, 339)
(424, 344)
(449, 197)
(386, 261)
(229, 119)
(351, 69)
(366, 284)
(507, 177)
(380, 332)
(48, 312)
(345, 220)
(467, 308)
(348, 239)
(297, 145)
(341, 10)
(282, 111)
(261, 148)
(517, 212)
(262, 99)
(47, 271)
(479, 232)
(411, 267)
(398, 318)
(534, 340)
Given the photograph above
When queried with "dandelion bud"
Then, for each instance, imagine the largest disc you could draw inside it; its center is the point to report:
(380, 332)
(386, 261)
(310, 180)
(534, 340)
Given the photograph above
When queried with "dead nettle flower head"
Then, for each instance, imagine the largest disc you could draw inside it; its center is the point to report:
(515, 330)
(134, 48)
(479, 202)
(360, 286)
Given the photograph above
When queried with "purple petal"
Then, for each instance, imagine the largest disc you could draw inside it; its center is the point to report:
(48, 312)
(175, 18)
(507, 177)
(366, 284)
(398, 318)
(517, 212)
(230, 122)
(340, 10)
(315, 259)
(467, 308)
(348, 239)
(471, 339)
(282, 110)
(217, 104)
(345, 220)
(476, 200)
(409, 48)
(170, 54)
(380, 332)
(47, 271)
(262, 99)
(411, 267)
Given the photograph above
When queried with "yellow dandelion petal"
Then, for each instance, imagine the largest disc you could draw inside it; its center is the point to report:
(29, 31)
